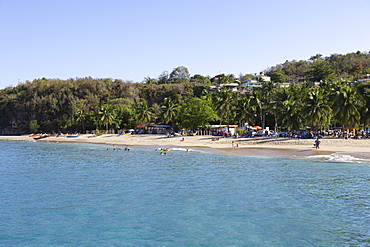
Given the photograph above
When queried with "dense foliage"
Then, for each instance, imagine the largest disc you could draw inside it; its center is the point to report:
(320, 69)
(176, 98)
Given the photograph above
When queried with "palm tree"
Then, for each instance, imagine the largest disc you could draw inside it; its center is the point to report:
(169, 111)
(143, 113)
(224, 103)
(346, 105)
(81, 117)
(107, 115)
(364, 110)
(291, 118)
(257, 104)
(268, 89)
(281, 94)
(288, 107)
(245, 110)
(317, 107)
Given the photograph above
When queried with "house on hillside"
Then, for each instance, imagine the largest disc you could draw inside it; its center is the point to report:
(264, 78)
(282, 84)
(364, 78)
(231, 86)
(250, 84)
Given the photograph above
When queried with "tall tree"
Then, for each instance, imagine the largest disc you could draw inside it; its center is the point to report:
(143, 112)
(268, 89)
(245, 111)
(163, 78)
(169, 111)
(197, 113)
(149, 80)
(317, 107)
(224, 102)
(257, 104)
(289, 107)
(81, 118)
(292, 118)
(179, 75)
(346, 105)
(107, 115)
(200, 79)
(125, 117)
(320, 70)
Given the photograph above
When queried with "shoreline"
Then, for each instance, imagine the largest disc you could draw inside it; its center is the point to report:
(258, 146)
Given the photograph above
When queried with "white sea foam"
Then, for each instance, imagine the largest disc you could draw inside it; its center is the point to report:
(183, 149)
(339, 157)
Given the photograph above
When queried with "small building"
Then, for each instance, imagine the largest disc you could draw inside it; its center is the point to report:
(250, 84)
(231, 86)
(364, 78)
(264, 78)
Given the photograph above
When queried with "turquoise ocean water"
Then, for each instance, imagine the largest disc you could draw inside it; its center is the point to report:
(66, 194)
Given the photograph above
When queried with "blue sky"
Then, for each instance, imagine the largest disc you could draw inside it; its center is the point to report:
(134, 39)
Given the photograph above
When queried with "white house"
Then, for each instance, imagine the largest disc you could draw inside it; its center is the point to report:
(264, 78)
(231, 86)
(250, 84)
(364, 78)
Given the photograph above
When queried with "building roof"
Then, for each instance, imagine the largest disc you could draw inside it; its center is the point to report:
(160, 126)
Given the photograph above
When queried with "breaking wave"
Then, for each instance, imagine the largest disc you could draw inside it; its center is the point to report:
(183, 149)
(342, 157)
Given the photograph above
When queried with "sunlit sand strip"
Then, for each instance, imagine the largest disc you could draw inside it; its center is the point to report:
(261, 146)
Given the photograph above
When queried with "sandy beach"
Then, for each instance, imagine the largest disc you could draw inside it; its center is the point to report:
(259, 146)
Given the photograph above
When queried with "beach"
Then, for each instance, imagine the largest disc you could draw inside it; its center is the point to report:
(258, 146)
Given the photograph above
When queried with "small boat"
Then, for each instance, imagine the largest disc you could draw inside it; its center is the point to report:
(35, 135)
(73, 135)
(194, 134)
(40, 137)
(126, 134)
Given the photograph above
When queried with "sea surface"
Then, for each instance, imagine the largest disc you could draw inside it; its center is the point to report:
(73, 194)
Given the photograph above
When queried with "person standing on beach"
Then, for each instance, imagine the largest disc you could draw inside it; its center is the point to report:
(317, 143)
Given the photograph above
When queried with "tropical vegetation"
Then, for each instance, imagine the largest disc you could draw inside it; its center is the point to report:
(323, 92)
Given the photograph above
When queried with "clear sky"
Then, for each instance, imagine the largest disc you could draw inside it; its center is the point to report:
(134, 39)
